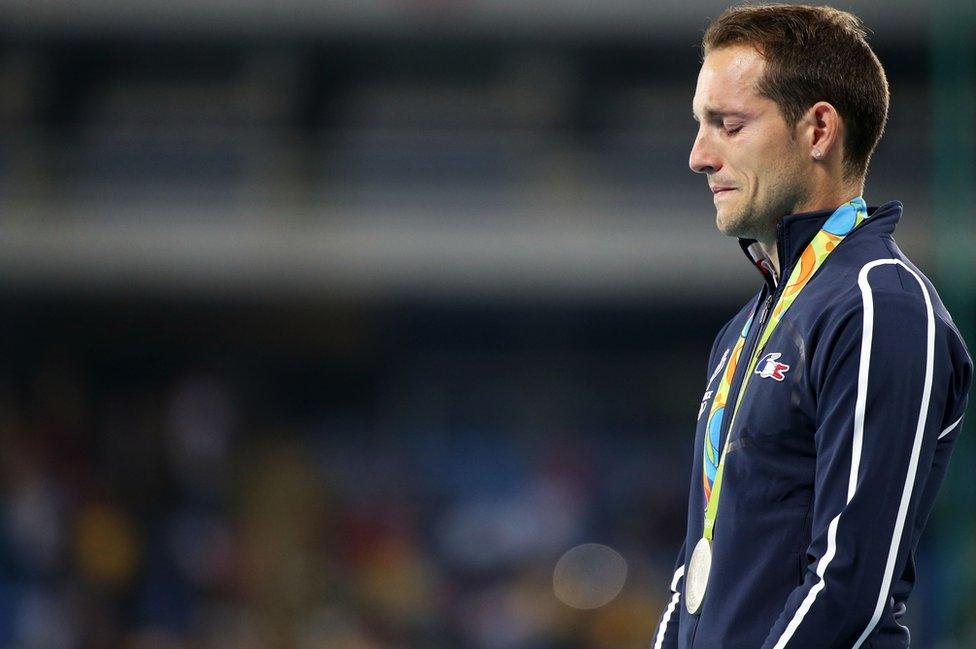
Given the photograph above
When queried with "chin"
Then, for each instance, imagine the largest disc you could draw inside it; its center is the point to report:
(731, 226)
(726, 225)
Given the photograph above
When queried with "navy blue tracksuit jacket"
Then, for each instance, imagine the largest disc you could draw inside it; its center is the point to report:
(833, 463)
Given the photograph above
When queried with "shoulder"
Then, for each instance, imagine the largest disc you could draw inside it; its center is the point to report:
(874, 280)
(732, 329)
(734, 326)
(882, 299)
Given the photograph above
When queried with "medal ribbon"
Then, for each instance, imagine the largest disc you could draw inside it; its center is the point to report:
(844, 219)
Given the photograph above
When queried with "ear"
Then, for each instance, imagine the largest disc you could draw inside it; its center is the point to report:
(821, 130)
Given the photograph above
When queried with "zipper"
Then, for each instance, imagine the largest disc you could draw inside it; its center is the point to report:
(774, 290)
(767, 311)
(745, 361)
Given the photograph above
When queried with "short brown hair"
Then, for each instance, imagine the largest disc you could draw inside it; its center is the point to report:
(813, 54)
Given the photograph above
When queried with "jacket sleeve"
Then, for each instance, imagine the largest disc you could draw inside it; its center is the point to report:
(666, 635)
(886, 380)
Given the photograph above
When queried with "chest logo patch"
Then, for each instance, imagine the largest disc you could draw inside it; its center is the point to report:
(769, 367)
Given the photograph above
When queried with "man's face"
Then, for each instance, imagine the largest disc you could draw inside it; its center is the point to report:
(751, 156)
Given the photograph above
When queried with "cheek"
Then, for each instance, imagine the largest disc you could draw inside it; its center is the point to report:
(751, 161)
(772, 156)
(772, 166)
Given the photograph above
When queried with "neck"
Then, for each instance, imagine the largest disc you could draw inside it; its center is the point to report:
(828, 200)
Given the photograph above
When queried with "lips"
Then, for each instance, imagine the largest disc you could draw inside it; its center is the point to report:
(719, 191)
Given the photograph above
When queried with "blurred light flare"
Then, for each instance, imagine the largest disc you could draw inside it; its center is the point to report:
(589, 576)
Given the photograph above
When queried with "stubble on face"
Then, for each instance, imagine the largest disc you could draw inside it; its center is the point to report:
(780, 188)
(762, 162)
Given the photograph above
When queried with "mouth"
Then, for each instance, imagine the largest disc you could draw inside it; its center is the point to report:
(721, 191)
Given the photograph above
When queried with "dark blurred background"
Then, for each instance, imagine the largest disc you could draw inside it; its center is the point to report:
(383, 324)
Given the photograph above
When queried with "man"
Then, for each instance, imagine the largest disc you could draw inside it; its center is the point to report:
(835, 395)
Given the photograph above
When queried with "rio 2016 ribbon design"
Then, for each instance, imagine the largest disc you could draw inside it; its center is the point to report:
(713, 424)
(841, 223)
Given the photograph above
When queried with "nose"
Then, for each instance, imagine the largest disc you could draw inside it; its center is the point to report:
(703, 159)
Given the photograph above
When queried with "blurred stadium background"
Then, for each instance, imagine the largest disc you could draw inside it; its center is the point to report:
(338, 324)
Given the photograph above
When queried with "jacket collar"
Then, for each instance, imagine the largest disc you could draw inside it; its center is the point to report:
(795, 231)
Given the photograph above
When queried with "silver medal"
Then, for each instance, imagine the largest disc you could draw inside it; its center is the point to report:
(696, 577)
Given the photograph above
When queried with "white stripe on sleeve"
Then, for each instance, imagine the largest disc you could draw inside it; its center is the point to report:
(859, 413)
(678, 574)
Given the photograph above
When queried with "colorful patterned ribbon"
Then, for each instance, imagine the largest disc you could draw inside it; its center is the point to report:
(841, 223)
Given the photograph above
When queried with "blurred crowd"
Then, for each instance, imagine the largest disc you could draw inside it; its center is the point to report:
(165, 514)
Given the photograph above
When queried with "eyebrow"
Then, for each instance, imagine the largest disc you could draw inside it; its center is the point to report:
(711, 113)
